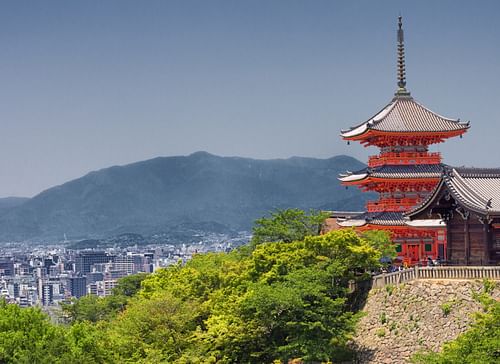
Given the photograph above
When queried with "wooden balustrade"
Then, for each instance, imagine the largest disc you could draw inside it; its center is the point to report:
(439, 272)
(404, 158)
(392, 204)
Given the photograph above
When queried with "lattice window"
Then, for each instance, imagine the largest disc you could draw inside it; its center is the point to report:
(497, 243)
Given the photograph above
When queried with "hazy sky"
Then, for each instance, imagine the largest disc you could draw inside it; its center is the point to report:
(89, 84)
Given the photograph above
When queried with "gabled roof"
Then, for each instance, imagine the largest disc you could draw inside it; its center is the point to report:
(411, 171)
(476, 189)
(405, 115)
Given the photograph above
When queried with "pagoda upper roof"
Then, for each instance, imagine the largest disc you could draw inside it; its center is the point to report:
(476, 189)
(404, 115)
(411, 171)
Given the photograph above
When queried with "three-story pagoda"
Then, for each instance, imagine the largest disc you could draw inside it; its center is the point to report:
(404, 172)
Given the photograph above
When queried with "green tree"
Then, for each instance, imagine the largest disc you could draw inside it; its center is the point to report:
(280, 300)
(129, 285)
(87, 343)
(93, 309)
(381, 240)
(287, 226)
(27, 336)
(292, 305)
(155, 330)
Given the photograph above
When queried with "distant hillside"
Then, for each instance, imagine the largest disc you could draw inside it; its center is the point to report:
(158, 194)
(9, 202)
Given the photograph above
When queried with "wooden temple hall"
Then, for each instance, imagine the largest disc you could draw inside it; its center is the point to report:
(431, 209)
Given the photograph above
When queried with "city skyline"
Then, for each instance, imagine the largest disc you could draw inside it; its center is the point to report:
(90, 85)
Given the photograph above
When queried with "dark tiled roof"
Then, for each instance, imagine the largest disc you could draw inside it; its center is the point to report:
(397, 172)
(379, 218)
(471, 172)
(408, 171)
(404, 114)
(477, 189)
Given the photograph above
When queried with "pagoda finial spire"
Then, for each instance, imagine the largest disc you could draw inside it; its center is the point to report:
(401, 61)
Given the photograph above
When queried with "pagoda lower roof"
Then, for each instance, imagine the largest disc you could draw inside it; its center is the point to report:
(412, 171)
(404, 115)
(389, 218)
(375, 218)
(476, 189)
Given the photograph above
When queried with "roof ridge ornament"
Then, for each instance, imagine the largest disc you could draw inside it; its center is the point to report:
(402, 91)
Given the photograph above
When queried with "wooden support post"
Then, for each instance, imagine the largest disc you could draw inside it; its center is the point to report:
(420, 248)
(447, 252)
(467, 238)
(448, 241)
(486, 238)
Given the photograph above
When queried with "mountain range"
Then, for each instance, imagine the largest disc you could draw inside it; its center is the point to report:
(9, 202)
(160, 194)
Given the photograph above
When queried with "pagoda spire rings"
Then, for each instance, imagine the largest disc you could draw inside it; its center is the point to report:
(401, 61)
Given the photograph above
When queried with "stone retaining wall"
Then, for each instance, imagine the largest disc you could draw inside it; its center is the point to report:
(419, 315)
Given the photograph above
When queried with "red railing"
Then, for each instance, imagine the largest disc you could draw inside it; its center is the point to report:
(391, 204)
(404, 158)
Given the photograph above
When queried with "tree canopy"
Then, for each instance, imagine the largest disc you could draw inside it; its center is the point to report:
(277, 301)
(283, 301)
(381, 240)
(283, 298)
(28, 336)
(287, 226)
(94, 309)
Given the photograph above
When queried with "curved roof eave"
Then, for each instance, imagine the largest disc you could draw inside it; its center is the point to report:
(458, 188)
(351, 223)
(365, 125)
(353, 177)
(426, 223)
(425, 114)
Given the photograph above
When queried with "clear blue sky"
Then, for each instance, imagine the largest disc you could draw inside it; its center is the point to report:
(89, 84)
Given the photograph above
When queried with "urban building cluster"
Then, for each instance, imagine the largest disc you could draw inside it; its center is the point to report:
(49, 275)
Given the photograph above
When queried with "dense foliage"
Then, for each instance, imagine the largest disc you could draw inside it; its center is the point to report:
(284, 301)
(287, 226)
(381, 241)
(270, 302)
(93, 309)
(274, 301)
(27, 336)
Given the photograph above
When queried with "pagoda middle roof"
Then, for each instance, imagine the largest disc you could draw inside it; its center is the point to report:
(395, 172)
(404, 115)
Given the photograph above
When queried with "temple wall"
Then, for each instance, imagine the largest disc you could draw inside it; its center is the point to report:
(478, 247)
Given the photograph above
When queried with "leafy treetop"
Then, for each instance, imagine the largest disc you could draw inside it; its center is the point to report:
(287, 226)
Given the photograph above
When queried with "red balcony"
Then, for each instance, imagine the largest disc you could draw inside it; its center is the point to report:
(392, 204)
(404, 158)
